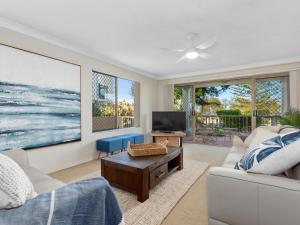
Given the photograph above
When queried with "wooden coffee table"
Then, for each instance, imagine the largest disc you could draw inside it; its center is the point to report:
(138, 174)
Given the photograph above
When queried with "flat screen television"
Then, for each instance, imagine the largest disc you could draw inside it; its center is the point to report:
(168, 121)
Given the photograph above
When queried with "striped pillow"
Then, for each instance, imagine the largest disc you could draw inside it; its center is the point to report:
(272, 156)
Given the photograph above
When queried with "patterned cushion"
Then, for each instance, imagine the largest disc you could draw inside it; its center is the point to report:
(272, 156)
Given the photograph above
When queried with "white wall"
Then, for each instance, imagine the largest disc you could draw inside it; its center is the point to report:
(165, 102)
(58, 157)
(295, 89)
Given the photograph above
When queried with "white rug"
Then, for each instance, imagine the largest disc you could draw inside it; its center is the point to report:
(163, 197)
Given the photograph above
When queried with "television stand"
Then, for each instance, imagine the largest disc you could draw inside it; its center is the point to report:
(174, 138)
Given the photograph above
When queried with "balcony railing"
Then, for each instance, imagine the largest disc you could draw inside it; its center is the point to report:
(111, 122)
(216, 129)
(239, 123)
(125, 121)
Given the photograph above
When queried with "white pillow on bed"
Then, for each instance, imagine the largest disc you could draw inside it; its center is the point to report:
(15, 186)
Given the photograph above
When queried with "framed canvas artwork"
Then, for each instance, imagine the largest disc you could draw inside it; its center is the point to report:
(39, 100)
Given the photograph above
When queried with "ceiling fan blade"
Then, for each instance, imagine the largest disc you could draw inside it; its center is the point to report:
(204, 55)
(173, 50)
(207, 44)
(181, 59)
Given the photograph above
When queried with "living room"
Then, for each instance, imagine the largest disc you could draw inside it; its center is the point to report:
(149, 112)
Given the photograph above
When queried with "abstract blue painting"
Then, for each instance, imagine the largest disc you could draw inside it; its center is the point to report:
(39, 100)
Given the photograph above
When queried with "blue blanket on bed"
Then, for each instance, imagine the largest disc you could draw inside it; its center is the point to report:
(88, 202)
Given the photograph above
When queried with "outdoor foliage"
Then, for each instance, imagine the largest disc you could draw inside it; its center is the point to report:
(103, 108)
(203, 95)
(232, 118)
(108, 108)
(178, 98)
(292, 117)
(213, 105)
(243, 104)
(125, 108)
(230, 112)
(268, 98)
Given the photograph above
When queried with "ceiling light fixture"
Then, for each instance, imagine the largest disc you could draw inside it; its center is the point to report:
(194, 51)
(192, 55)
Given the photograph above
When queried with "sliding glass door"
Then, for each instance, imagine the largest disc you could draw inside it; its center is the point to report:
(217, 111)
(184, 101)
(271, 100)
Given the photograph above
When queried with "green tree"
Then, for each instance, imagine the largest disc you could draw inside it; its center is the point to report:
(108, 108)
(268, 97)
(103, 108)
(241, 90)
(243, 104)
(203, 94)
(125, 108)
(212, 105)
(178, 98)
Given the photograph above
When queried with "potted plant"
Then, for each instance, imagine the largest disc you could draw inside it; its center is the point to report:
(292, 118)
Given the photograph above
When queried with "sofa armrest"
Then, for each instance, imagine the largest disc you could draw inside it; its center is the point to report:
(18, 155)
(238, 197)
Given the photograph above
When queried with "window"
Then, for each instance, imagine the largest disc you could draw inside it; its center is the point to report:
(115, 102)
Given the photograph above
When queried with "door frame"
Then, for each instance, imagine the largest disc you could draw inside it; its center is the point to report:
(250, 80)
(193, 101)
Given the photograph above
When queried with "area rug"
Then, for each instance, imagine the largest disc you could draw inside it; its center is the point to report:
(163, 197)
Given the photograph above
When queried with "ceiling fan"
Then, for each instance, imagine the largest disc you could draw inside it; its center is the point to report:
(194, 51)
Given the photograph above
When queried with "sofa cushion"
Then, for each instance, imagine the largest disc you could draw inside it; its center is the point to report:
(273, 156)
(235, 154)
(261, 135)
(18, 155)
(294, 172)
(287, 129)
(231, 159)
(15, 187)
(42, 183)
(249, 139)
(237, 141)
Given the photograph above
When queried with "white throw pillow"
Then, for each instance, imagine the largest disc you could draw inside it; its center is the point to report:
(237, 141)
(15, 186)
(249, 139)
(284, 129)
(261, 135)
(272, 156)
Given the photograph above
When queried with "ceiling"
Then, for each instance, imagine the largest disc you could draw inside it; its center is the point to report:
(132, 32)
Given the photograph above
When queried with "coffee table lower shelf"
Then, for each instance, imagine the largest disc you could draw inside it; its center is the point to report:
(139, 174)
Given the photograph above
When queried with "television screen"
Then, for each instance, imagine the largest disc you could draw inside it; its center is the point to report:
(168, 121)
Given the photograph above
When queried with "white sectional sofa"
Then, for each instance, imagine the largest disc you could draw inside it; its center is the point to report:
(239, 198)
(42, 183)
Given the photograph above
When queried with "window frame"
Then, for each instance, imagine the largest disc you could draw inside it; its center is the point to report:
(116, 103)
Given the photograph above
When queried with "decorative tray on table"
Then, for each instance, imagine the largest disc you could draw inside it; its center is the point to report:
(147, 149)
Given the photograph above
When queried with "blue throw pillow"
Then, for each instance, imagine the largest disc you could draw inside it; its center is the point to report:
(272, 156)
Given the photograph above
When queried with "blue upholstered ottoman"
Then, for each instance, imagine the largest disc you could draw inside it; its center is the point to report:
(111, 144)
(134, 138)
(125, 139)
(139, 139)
